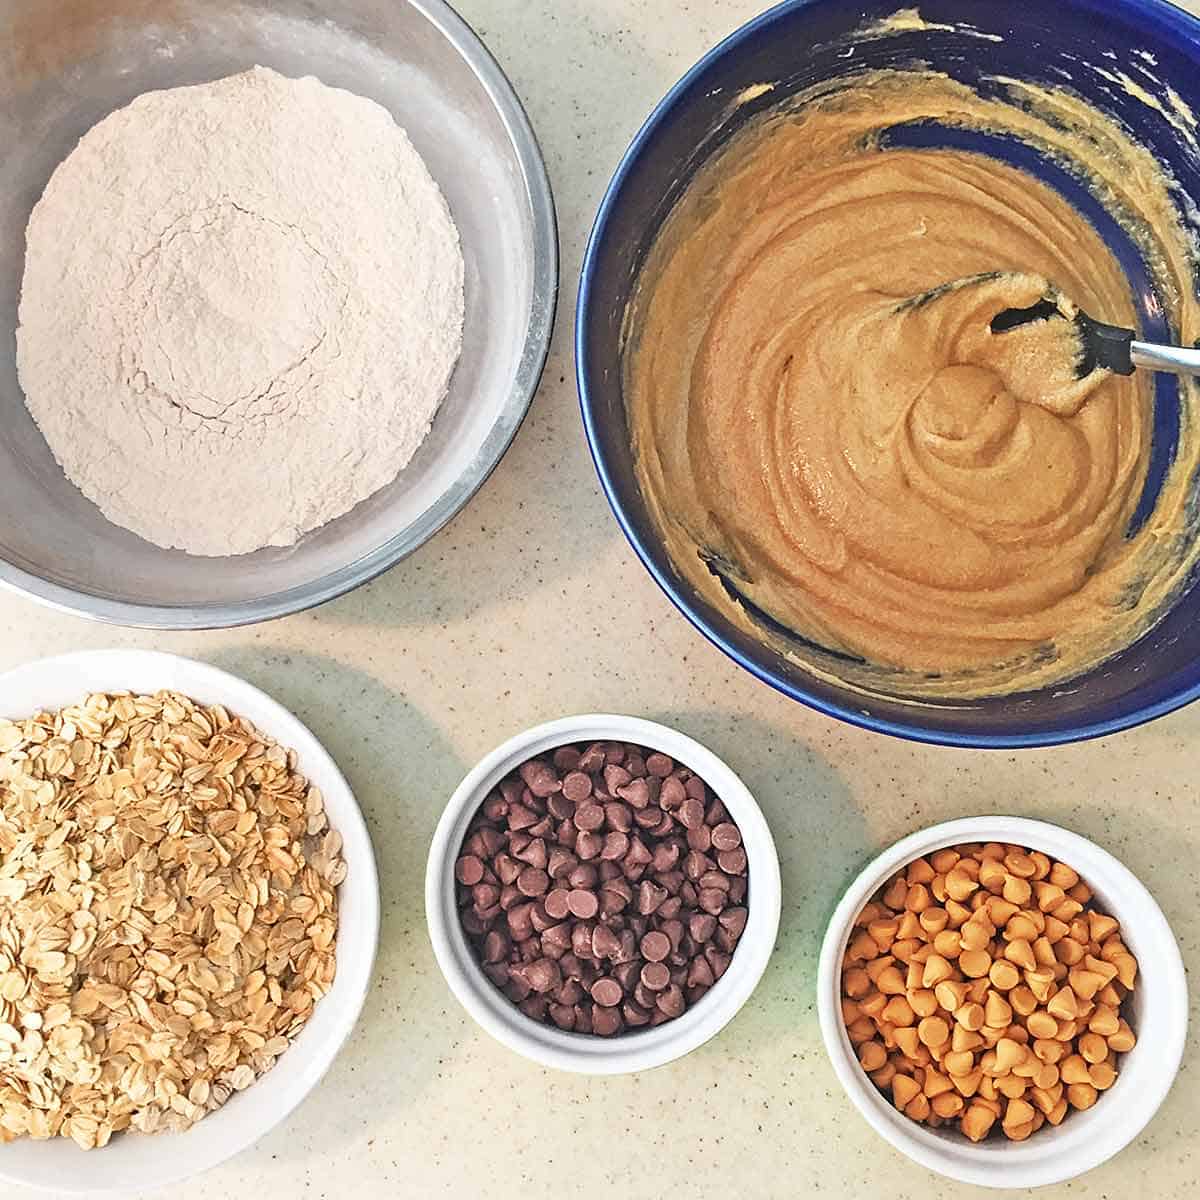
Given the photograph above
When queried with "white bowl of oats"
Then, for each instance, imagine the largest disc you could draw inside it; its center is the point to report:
(189, 914)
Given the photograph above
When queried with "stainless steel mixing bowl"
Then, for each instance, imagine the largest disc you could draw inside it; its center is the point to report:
(64, 66)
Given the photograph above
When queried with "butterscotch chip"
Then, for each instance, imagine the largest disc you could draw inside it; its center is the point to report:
(933, 1031)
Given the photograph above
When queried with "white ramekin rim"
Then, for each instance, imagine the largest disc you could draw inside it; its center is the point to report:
(1086, 1139)
(644, 1049)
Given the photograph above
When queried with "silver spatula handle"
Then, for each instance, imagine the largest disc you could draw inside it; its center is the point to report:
(1175, 359)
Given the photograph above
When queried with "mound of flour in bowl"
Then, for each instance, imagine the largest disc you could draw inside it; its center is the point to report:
(241, 309)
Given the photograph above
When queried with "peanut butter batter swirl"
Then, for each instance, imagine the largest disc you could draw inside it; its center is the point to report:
(834, 441)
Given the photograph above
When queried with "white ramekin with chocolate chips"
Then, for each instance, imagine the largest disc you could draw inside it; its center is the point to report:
(602, 894)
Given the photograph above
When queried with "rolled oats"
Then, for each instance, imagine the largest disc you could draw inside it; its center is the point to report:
(168, 914)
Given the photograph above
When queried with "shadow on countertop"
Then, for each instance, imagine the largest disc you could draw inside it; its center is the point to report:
(402, 772)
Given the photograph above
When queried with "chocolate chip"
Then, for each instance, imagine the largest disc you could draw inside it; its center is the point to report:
(638, 854)
(655, 976)
(613, 902)
(671, 880)
(497, 972)
(648, 819)
(726, 836)
(468, 870)
(699, 973)
(615, 778)
(520, 817)
(618, 816)
(584, 875)
(532, 882)
(666, 857)
(535, 1007)
(583, 903)
(581, 943)
(490, 841)
(607, 992)
(519, 923)
(716, 814)
(627, 974)
(577, 787)
(718, 961)
(629, 947)
(566, 758)
(606, 1022)
(635, 1016)
(570, 992)
(649, 897)
(644, 997)
(733, 920)
(588, 845)
(495, 947)
(674, 930)
(616, 845)
(560, 807)
(605, 943)
(540, 778)
(543, 975)
(672, 794)
(556, 940)
(660, 765)
(671, 1002)
(636, 793)
(560, 862)
(589, 816)
(732, 862)
(655, 946)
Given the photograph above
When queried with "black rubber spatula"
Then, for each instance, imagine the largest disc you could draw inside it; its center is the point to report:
(1105, 346)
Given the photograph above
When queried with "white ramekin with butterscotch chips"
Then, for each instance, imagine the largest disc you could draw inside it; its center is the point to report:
(982, 988)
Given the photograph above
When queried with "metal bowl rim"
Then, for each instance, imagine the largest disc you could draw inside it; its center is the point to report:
(535, 351)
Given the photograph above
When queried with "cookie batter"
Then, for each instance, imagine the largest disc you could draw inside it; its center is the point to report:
(836, 445)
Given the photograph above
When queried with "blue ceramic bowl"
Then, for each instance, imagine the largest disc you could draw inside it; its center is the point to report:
(796, 43)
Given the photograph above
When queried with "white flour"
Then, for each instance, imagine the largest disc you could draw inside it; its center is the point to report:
(241, 308)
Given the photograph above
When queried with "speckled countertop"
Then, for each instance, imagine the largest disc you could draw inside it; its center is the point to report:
(531, 606)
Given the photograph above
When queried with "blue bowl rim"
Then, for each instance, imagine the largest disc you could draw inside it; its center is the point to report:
(1166, 18)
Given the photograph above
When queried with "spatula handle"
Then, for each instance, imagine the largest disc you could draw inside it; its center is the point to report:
(1176, 359)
